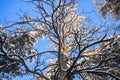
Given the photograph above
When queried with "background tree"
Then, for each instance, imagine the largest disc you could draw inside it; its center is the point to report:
(109, 6)
(77, 48)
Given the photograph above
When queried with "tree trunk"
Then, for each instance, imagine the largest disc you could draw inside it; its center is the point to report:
(63, 62)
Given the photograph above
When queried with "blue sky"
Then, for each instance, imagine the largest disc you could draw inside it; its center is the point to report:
(10, 8)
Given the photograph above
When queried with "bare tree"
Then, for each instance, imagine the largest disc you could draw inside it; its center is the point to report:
(79, 49)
